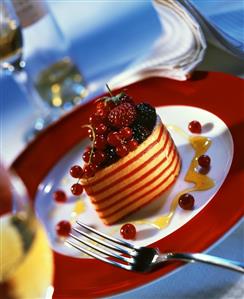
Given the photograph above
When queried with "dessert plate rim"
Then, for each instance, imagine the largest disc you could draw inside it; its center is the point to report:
(175, 93)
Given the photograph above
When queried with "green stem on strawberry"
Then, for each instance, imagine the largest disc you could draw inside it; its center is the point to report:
(109, 90)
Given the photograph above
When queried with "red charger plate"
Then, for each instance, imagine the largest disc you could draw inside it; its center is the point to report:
(218, 93)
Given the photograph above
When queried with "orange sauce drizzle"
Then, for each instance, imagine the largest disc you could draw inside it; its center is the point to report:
(79, 207)
(202, 182)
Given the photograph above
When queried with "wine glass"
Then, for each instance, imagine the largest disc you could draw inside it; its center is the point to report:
(48, 77)
(11, 63)
(17, 221)
(25, 252)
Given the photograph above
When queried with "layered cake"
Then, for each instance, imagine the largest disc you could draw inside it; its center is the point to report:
(132, 159)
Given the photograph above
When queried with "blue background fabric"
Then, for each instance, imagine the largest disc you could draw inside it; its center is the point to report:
(227, 16)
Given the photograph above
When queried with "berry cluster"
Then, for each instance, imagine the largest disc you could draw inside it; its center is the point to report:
(116, 127)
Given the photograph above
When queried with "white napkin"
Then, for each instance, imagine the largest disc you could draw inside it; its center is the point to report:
(175, 54)
(222, 22)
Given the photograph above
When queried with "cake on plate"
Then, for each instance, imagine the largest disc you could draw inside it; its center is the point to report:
(132, 159)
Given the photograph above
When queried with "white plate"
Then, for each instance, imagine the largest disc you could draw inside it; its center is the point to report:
(221, 153)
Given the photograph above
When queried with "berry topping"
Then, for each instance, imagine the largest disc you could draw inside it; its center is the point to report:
(100, 129)
(122, 116)
(102, 113)
(95, 119)
(195, 127)
(100, 142)
(89, 170)
(86, 155)
(140, 133)
(119, 98)
(126, 133)
(63, 228)
(114, 138)
(132, 145)
(59, 196)
(100, 103)
(98, 157)
(186, 201)
(76, 189)
(122, 150)
(111, 156)
(76, 171)
(146, 115)
(110, 104)
(116, 128)
(90, 134)
(128, 231)
(204, 161)
(123, 98)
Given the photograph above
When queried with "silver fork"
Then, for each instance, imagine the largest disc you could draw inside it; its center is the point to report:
(135, 258)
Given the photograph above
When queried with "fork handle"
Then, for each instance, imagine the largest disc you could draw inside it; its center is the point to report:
(205, 258)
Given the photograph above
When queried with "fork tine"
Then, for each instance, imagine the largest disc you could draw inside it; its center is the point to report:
(118, 241)
(101, 250)
(98, 256)
(106, 244)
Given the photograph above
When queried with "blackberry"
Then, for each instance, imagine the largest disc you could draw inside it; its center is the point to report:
(146, 115)
(111, 156)
(140, 133)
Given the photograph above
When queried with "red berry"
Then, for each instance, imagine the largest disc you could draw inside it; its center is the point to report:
(124, 98)
(86, 155)
(132, 145)
(100, 142)
(90, 134)
(126, 133)
(100, 104)
(89, 170)
(102, 113)
(186, 201)
(110, 105)
(128, 231)
(100, 129)
(76, 189)
(122, 150)
(63, 228)
(204, 161)
(59, 196)
(122, 115)
(98, 157)
(195, 127)
(114, 138)
(95, 119)
(76, 171)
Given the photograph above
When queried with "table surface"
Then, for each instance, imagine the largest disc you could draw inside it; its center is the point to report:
(84, 27)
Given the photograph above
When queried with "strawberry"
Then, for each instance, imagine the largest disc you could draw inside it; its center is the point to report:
(122, 115)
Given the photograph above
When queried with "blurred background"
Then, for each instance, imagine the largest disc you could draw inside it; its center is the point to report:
(102, 38)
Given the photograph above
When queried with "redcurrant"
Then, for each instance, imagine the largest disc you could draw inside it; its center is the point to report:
(195, 127)
(76, 189)
(59, 196)
(128, 231)
(63, 228)
(186, 201)
(76, 171)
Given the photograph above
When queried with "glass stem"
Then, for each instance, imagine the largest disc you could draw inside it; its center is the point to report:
(40, 108)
